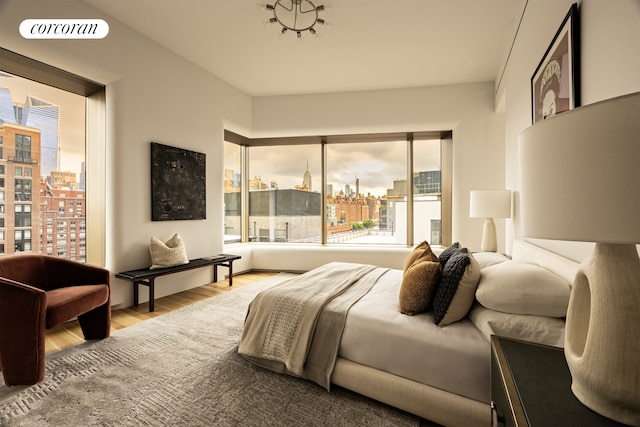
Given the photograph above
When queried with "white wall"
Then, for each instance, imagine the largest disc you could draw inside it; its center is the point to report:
(152, 95)
(609, 67)
(467, 110)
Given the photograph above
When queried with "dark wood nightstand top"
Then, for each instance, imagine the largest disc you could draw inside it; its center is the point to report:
(542, 383)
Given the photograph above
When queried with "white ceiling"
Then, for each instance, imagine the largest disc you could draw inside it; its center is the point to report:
(371, 44)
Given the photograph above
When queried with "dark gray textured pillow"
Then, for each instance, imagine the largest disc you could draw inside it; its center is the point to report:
(446, 254)
(456, 291)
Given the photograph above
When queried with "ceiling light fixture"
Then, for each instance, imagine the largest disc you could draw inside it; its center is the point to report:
(297, 16)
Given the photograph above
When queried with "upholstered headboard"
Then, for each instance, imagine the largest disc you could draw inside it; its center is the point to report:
(564, 267)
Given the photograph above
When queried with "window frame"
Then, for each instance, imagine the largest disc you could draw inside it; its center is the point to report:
(446, 168)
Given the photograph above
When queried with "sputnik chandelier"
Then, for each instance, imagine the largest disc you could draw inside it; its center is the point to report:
(297, 16)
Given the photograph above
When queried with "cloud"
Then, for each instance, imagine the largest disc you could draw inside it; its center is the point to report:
(376, 165)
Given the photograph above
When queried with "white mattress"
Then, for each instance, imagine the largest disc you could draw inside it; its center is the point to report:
(455, 358)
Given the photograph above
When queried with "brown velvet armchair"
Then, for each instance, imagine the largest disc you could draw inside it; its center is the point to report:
(38, 292)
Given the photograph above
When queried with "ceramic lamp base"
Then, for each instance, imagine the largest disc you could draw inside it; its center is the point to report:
(489, 240)
(602, 339)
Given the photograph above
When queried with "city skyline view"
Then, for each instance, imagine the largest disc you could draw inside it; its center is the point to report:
(376, 165)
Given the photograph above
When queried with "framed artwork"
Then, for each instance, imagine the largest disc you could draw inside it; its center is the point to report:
(556, 82)
(178, 189)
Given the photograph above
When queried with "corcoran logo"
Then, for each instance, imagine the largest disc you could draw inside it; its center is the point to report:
(64, 29)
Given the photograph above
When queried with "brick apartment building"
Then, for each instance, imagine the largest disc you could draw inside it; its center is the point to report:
(19, 204)
(51, 220)
(63, 220)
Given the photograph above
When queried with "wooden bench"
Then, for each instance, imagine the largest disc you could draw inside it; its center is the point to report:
(147, 277)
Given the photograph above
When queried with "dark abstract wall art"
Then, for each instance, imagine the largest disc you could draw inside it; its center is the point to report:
(178, 183)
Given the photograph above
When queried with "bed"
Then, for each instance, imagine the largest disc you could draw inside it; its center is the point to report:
(360, 340)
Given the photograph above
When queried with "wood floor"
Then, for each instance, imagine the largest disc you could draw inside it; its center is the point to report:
(69, 334)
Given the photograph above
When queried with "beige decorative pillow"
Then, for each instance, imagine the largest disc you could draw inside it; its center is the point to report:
(168, 254)
(420, 253)
(418, 288)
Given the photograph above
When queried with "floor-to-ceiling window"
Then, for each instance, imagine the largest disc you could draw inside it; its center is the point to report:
(285, 195)
(339, 189)
(362, 178)
(427, 191)
(233, 158)
(43, 158)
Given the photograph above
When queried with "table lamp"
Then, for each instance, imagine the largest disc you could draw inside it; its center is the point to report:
(490, 204)
(580, 181)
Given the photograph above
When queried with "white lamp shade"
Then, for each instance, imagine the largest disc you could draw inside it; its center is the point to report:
(580, 174)
(490, 204)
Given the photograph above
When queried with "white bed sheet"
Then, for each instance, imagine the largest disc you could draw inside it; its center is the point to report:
(455, 358)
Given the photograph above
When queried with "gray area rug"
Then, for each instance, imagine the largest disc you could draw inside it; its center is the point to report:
(182, 369)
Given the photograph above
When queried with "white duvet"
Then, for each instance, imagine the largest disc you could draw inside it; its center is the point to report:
(455, 358)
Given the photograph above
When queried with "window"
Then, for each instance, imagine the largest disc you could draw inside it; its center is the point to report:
(42, 117)
(427, 193)
(22, 240)
(22, 190)
(23, 148)
(285, 197)
(232, 197)
(363, 177)
(22, 215)
(339, 189)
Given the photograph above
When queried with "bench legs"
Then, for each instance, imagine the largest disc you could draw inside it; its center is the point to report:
(150, 282)
(136, 294)
(229, 265)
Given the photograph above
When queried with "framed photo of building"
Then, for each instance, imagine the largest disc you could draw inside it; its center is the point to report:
(178, 183)
(556, 82)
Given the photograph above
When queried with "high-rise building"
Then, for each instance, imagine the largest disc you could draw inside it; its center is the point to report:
(19, 202)
(306, 180)
(7, 113)
(45, 116)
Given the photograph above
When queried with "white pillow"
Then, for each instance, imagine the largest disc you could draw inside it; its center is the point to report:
(523, 288)
(538, 329)
(168, 254)
(486, 259)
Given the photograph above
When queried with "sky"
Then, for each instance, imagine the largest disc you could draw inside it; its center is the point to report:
(72, 117)
(376, 165)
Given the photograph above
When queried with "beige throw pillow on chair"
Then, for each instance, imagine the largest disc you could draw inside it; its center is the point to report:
(168, 254)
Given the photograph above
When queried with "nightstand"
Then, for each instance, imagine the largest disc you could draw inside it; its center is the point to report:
(531, 386)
